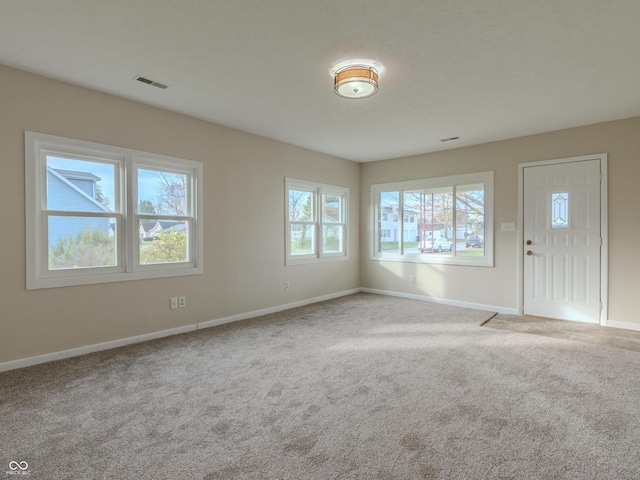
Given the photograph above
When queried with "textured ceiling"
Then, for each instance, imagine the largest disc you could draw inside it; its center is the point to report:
(482, 71)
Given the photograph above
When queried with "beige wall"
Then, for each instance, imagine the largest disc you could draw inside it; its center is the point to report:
(244, 228)
(498, 286)
(243, 232)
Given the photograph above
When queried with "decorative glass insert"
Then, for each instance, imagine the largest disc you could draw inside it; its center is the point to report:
(560, 210)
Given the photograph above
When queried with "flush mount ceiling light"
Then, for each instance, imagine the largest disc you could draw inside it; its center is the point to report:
(356, 81)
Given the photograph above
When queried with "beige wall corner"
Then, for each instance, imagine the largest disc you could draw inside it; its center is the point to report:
(244, 234)
(499, 285)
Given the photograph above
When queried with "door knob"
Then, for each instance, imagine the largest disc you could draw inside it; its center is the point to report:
(529, 242)
(529, 252)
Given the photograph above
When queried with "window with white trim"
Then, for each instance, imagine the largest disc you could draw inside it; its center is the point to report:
(447, 220)
(97, 213)
(316, 222)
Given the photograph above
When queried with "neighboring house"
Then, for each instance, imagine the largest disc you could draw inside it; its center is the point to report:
(462, 231)
(151, 228)
(147, 229)
(478, 228)
(389, 227)
(389, 224)
(85, 181)
(73, 191)
(435, 230)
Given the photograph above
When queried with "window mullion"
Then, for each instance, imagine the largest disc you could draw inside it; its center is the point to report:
(319, 211)
(130, 235)
(79, 213)
(455, 220)
(401, 220)
(151, 216)
(343, 226)
(378, 224)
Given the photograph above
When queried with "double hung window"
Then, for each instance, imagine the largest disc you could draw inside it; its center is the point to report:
(97, 213)
(316, 222)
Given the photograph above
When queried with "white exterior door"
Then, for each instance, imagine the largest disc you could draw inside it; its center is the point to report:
(561, 228)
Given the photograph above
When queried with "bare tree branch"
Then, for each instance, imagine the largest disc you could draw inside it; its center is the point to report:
(172, 199)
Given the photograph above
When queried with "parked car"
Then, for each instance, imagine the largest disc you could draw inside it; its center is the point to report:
(440, 244)
(474, 241)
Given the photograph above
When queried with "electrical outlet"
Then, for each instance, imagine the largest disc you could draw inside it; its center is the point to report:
(174, 303)
(287, 286)
(182, 302)
(412, 279)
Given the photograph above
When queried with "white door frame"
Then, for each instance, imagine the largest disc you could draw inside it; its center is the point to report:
(604, 229)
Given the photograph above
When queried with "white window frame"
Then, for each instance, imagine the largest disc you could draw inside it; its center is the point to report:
(317, 190)
(126, 163)
(485, 178)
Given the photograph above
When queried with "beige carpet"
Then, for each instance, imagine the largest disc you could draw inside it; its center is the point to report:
(362, 387)
(576, 331)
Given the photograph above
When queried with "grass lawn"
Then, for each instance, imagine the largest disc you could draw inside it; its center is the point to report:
(469, 252)
(396, 245)
(304, 246)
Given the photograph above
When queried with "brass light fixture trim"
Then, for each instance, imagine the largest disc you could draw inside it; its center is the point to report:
(356, 81)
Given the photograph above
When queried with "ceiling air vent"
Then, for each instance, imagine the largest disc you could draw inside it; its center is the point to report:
(449, 139)
(148, 81)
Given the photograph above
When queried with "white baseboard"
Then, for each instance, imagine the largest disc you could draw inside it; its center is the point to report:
(276, 309)
(97, 347)
(74, 352)
(625, 325)
(444, 301)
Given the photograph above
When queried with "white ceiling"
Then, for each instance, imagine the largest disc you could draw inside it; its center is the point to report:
(481, 70)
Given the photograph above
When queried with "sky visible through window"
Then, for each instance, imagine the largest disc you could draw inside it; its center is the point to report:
(147, 180)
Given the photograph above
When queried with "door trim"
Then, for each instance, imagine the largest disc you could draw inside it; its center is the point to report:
(604, 229)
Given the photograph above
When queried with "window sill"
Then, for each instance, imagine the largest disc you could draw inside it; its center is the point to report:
(311, 260)
(469, 262)
(76, 280)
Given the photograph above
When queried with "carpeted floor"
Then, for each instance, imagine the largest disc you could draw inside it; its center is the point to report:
(576, 331)
(361, 387)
